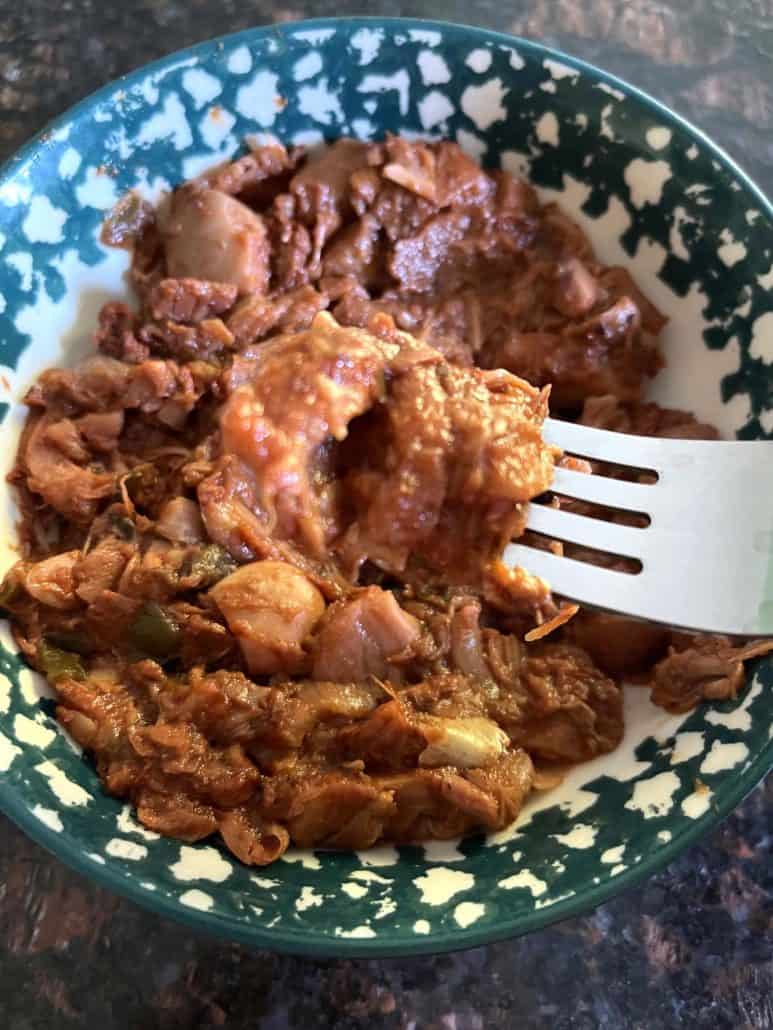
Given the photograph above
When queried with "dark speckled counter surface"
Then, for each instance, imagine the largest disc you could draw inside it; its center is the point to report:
(691, 948)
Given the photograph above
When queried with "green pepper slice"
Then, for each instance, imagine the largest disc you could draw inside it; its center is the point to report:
(57, 664)
(155, 632)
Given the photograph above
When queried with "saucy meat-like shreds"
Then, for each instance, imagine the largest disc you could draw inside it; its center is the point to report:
(262, 524)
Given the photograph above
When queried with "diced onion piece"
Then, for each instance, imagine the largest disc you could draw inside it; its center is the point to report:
(469, 743)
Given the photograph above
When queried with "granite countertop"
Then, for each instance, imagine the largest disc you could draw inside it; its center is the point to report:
(692, 947)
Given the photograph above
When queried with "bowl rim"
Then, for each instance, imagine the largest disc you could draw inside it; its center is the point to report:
(302, 942)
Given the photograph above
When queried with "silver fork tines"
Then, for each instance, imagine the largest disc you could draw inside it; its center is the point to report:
(707, 554)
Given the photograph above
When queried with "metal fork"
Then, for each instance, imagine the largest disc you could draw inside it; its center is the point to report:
(707, 554)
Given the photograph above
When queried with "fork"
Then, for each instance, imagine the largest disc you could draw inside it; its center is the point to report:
(706, 556)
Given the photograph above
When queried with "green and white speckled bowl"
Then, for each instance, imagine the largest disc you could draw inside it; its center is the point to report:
(652, 193)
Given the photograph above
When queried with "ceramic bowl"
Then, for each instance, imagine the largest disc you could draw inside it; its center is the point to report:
(652, 193)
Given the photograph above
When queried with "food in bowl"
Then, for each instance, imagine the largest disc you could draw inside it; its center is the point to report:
(262, 527)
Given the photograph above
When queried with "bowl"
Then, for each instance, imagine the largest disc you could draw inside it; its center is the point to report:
(652, 193)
